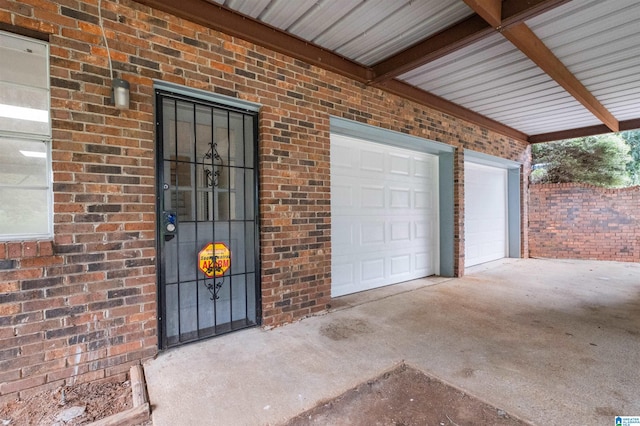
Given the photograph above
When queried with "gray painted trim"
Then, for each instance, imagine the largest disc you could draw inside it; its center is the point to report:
(371, 133)
(513, 194)
(490, 160)
(513, 212)
(207, 96)
(446, 213)
(444, 152)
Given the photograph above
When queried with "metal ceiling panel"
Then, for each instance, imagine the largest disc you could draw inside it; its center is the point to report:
(452, 67)
(284, 13)
(359, 22)
(324, 15)
(406, 28)
(511, 91)
(549, 95)
(411, 25)
(376, 31)
(622, 71)
(555, 122)
(366, 31)
(495, 79)
(598, 41)
(251, 8)
(561, 114)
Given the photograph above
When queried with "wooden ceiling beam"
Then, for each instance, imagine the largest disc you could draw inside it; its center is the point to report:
(524, 39)
(448, 41)
(521, 36)
(600, 129)
(459, 35)
(489, 10)
(581, 132)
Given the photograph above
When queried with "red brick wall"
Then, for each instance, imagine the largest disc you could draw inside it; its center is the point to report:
(83, 306)
(577, 221)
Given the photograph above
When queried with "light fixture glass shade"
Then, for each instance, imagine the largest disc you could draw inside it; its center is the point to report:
(120, 93)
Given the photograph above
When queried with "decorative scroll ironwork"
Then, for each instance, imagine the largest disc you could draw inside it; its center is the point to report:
(212, 177)
(212, 180)
(214, 289)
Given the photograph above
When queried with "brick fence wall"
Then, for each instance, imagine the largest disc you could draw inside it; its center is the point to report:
(84, 306)
(584, 222)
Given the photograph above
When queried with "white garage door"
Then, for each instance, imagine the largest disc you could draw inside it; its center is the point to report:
(384, 215)
(485, 213)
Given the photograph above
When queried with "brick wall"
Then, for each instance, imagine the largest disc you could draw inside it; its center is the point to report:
(577, 221)
(83, 306)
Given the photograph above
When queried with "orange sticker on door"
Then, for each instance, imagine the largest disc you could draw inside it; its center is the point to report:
(214, 259)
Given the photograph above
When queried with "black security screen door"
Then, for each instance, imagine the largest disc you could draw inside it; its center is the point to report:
(207, 219)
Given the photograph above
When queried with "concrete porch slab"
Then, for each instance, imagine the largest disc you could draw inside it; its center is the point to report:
(548, 341)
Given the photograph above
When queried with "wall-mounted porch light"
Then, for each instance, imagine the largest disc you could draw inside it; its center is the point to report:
(120, 93)
(119, 87)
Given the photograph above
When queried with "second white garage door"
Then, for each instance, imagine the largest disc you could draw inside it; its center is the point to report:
(485, 213)
(384, 215)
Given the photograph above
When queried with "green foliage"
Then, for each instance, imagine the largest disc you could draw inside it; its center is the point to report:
(597, 160)
(632, 138)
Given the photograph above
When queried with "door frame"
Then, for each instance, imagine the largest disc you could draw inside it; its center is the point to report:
(178, 92)
(514, 196)
(340, 140)
(446, 199)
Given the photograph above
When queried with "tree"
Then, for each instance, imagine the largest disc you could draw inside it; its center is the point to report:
(597, 160)
(632, 138)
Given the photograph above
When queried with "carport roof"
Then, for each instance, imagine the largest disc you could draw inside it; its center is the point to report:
(535, 70)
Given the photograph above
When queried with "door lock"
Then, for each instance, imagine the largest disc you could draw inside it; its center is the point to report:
(169, 224)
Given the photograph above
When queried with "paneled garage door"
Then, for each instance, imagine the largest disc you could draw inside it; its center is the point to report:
(384, 215)
(485, 213)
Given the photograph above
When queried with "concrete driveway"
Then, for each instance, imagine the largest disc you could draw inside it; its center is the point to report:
(548, 341)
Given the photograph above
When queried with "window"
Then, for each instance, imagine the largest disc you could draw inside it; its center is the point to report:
(26, 206)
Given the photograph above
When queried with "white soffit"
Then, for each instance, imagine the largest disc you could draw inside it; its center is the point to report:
(495, 79)
(599, 42)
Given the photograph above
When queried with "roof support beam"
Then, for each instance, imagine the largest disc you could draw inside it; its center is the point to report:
(521, 36)
(459, 35)
(581, 132)
(454, 38)
(490, 10)
(524, 39)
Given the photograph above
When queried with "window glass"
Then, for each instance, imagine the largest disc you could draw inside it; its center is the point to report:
(28, 59)
(24, 109)
(23, 163)
(26, 209)
(26, 214)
